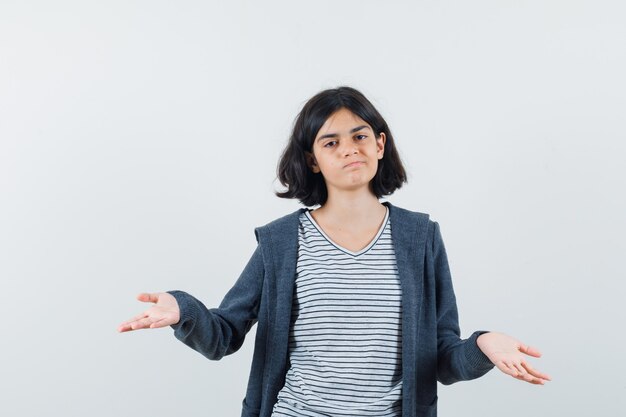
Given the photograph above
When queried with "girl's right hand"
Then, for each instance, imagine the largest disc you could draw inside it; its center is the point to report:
(164, 312)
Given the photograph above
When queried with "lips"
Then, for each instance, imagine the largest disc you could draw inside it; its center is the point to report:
(353, 164)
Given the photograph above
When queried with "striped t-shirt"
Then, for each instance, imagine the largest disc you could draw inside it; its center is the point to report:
(345, 336)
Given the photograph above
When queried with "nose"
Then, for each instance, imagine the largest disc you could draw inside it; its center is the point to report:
(350, 149)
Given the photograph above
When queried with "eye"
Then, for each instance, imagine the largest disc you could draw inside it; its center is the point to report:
(361, 137)
(331, 143)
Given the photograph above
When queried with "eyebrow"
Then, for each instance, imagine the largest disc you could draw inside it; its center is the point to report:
(334, 135)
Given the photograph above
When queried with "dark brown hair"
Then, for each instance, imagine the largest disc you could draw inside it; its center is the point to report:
(293, 170)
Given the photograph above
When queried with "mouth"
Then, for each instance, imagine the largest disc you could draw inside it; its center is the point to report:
(354, 164)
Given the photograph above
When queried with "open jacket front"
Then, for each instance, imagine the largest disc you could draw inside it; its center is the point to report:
(431, 345)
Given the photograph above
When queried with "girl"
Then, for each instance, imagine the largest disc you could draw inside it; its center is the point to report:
(354, 301)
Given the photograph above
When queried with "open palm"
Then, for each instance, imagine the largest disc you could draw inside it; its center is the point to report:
(509, 355)
(164, 312)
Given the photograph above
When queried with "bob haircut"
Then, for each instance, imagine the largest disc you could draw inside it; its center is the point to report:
(294, 171)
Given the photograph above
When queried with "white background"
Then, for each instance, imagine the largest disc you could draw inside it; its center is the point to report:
(138, 149)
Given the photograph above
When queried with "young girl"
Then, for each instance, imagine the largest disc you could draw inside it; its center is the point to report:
(354, 301)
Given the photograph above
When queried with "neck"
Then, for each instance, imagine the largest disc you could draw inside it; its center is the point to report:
(351, 208)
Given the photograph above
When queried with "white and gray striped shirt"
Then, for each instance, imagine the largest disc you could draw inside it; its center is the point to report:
(345, 341)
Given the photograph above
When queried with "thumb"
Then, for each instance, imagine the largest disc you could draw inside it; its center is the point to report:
(148, 297)
(529, 350)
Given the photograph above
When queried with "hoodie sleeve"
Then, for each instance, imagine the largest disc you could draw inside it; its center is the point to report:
(221, 331)
(457, 359)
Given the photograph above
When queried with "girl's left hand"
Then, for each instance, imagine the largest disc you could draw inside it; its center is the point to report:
(508, 355)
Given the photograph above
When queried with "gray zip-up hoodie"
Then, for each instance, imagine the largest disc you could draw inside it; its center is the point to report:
(431, 345)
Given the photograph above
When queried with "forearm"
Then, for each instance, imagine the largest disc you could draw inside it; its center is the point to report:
(202, 329)
(462, 360)
(221, 331)
(457, 359)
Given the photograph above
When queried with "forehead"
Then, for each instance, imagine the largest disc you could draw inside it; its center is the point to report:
(340, 121)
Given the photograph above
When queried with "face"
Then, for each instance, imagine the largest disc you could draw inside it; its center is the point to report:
(346, 151)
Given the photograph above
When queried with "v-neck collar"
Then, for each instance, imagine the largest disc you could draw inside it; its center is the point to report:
(341, 248)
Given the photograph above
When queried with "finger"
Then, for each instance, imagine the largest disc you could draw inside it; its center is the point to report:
(527, 377)
(535, 372)
(529, 350)
(130, 326)
(521, 371)
(137, 317)
(141, 324)
(530, 375)
(161, 323)
(123, 328)
(148, 297)
(506, 368)
(530, 379)
(522, 374)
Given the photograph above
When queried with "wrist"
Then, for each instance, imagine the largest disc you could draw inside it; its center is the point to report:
(480, 339)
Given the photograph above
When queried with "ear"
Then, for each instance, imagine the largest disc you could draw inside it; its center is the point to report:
(312, 162)
(380, 145)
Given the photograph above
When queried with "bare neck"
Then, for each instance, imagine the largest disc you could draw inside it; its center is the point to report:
(351, 211)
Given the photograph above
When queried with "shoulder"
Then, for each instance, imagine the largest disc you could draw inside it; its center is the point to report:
(405, 213)
(280, 227)
(402, 215)
(410, 220)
